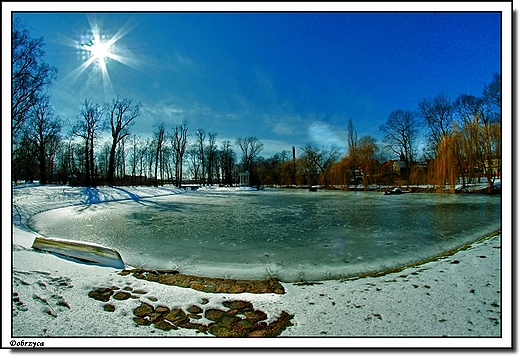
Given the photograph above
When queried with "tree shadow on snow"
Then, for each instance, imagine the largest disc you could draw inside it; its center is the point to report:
(92, 195)
(132, 196)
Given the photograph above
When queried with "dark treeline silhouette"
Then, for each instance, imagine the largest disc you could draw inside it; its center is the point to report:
(463, 143)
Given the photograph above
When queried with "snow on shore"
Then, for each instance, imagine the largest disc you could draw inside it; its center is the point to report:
(460, 296)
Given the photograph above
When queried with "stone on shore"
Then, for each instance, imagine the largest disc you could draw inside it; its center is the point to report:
(208, 284)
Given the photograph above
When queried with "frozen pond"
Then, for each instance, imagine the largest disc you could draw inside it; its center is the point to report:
(291, 234)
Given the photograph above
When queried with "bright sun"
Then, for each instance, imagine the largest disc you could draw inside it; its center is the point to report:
(99, 47)
(99, 51)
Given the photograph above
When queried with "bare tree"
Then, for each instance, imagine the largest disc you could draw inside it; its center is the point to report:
(144, 150)
(437, 114)
(400, 133)
(492, 94)
(120, 158)
(102, 157)
(87, 126)
(139, 151)
(194, 162)
(470, 111)
(66, 162)
(135, 156)
(30, 76)
(120, 115)
(319, 161)
(43, 132)
(145, 159)
(271, 170)
(158, 141)
(212, 156)
(491, 130)
(352, 160)
(201, 137)
(179, 142)
(251, 148)
(227, 157)
(479, 133)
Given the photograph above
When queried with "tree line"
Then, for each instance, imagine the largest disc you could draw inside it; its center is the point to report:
(463, 142)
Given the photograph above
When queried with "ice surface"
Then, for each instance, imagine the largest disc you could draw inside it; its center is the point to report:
(293, 235)
(418, 305)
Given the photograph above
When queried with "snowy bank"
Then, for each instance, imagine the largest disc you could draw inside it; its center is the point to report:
(447, 302)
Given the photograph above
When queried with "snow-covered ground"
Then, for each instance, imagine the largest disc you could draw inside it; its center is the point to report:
(459, 301)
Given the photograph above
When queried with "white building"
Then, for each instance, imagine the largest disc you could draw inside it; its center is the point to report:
(244, 179)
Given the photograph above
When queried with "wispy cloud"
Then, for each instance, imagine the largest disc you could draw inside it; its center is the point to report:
(184, 60)
(265, 86)
(324, 134)
(287, 125)
(165, 110)
(283, 128)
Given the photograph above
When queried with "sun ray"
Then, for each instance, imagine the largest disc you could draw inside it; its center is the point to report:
(75, 74)
(107, 83)
(96, 50)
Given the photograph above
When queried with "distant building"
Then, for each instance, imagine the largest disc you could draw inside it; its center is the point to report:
(72, 179)
(496, 167)
(393, 167)
(244, 179)
(399, 167)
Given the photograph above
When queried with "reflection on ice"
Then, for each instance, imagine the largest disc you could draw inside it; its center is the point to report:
(292, 235)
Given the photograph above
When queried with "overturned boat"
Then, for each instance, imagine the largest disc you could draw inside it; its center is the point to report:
(84, 252)
(395, 191)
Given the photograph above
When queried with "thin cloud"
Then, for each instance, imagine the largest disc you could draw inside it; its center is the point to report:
(288, 126)
(323, 134)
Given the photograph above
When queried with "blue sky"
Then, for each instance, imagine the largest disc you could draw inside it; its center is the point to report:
(287, 78)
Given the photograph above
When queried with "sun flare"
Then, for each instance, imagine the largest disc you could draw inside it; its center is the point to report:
(99, 51)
